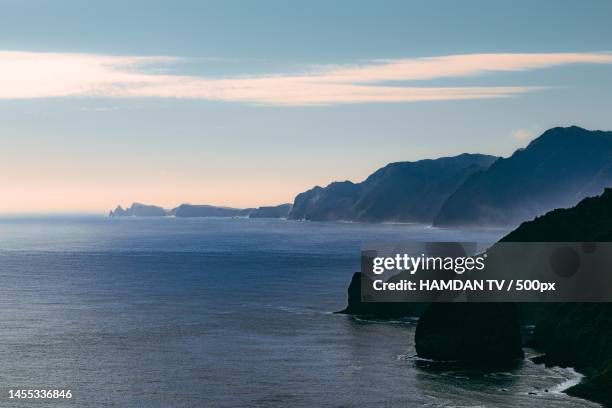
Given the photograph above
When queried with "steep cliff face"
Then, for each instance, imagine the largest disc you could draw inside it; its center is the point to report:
(334, 202)
(556, 170)
(402, 192)
(380, 310)
(576, 334)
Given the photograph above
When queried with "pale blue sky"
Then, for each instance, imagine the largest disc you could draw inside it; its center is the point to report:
(65, 151)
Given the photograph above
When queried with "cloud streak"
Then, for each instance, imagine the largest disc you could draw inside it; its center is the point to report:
(43, 75)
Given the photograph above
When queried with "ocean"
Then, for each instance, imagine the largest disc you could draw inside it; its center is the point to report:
(221, 312)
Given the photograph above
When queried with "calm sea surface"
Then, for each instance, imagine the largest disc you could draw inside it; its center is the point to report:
(165, 312)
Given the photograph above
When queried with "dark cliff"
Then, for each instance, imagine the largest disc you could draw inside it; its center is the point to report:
(556, 170)
(400, 192)
(576, 334)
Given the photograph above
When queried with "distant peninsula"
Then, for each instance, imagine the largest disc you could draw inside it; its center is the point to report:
(138, 210)
(556, 170)
(202, 210)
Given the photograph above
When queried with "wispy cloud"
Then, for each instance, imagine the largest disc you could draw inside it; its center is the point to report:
(43, 75)
(525, 135)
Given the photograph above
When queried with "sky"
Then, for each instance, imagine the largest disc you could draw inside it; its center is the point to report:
(244, 103)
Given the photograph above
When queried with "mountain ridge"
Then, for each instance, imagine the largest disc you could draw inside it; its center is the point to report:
(556, 170)
(400, 191)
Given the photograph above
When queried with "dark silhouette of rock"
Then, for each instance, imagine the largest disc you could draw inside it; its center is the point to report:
(364, 302)
(139, 210)
(576, 334)
(579, 335)
(279, 211)
(589, 221)
(486, 334)
(401, 192)
(570, 334)
(556, 170)
(379, 310)
(597, 387)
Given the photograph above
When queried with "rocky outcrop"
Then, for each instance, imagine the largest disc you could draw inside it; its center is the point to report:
(138, 210)
(183, 210)
(570, 334)
(485, 334)
(379, 310)
(279, 211)
(556, 170)
(401, 192)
